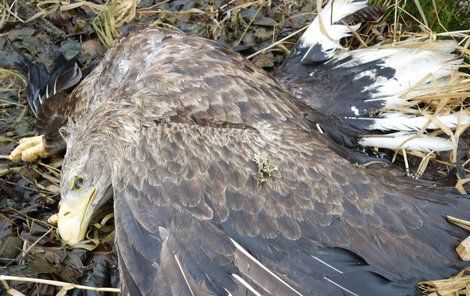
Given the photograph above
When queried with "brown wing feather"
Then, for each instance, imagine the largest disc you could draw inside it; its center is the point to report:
(198, 185)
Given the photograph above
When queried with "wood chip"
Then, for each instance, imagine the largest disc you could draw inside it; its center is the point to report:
(464, 249)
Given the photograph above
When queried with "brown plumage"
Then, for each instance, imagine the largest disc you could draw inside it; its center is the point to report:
(174, 124)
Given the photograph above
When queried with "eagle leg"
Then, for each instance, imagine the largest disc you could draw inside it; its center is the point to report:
(29, 149)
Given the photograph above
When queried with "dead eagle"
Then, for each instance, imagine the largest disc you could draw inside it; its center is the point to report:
(220, 184)
(179, 129)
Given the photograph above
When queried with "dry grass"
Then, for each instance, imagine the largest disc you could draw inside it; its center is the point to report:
(8, 12)
(64, 285)
(108, 21)
(110, 16)
(11, 81)
(47, 7)
(454, 286)
(439, 99)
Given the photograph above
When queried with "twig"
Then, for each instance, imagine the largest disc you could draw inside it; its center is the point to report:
(421, 12)
(459, 222)
(407, 167)
(277, 42)
(395, 22)
(248, 27)
(68, 286)
(35, 243)
(27, 188)
(12, 103)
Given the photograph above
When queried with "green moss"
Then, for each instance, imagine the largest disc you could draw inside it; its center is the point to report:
(265, 167)
(441, 15)
(445, 15)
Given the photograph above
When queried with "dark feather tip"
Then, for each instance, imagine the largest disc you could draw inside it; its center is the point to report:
(369, 14)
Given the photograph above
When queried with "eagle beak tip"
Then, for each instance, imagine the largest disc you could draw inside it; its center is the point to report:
(74, 216)
(70, 228)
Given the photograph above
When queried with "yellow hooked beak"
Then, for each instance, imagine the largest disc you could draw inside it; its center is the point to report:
(75, 214)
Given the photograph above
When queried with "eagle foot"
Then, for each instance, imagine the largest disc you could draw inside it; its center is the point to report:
(29, 149)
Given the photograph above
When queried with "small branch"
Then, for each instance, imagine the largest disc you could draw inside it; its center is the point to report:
(67, 286)
(277, 42)
(27, 188)
(249, 25)
(33, 244)
(459, 222)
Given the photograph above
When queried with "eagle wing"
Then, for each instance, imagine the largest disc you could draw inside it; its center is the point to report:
(218, 210)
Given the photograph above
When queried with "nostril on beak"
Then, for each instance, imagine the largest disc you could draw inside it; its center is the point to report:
(67, 214)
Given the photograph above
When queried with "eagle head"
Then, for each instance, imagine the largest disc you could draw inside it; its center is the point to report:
(85, 186)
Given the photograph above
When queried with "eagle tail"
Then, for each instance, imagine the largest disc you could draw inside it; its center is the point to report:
(418, 69)
(397, 76)
(336, 20)
(373, 88)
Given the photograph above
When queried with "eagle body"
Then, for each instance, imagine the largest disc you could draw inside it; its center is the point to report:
(221, 187)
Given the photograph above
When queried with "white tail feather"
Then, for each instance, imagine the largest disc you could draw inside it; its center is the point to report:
(402, 122)
(408, 141)
(323, 33)
(415, 69)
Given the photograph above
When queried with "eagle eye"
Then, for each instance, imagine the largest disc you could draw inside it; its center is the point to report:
(78, 182)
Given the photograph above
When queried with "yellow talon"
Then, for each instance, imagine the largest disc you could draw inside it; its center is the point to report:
(52, 220)
(29, 149)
